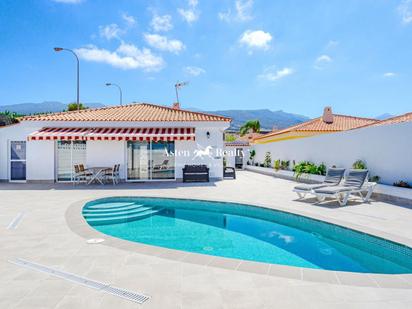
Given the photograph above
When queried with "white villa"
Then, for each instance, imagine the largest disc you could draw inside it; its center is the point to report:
(150, 142)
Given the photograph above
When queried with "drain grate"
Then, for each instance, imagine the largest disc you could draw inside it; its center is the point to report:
(129, 295)
(15, 222)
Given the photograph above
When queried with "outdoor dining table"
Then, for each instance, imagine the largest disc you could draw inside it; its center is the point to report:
(97, 173)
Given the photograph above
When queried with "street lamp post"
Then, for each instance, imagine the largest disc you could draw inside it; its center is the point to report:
(58, 49)
(120, 91)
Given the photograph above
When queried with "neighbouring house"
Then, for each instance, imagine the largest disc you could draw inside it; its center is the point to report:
(237, 153)
(328, 123)
(150, 142)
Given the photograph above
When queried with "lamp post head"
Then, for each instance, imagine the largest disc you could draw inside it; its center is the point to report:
(108, 84)
(57, 49)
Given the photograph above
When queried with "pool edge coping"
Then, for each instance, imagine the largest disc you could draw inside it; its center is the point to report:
(79, 226)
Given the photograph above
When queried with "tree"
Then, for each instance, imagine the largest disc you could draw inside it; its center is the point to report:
(250, 126)
(73, 107)
(230, 138)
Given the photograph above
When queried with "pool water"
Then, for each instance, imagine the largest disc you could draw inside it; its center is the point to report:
(246, 232)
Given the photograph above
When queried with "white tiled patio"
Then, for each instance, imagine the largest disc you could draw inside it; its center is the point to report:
(177, 280)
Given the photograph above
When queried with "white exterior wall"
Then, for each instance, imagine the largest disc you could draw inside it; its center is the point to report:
(215, 162)
(387, 150)
(40, 155)
(40, 160)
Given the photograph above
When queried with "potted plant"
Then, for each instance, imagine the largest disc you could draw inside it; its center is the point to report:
(252, 155)
(267, 160)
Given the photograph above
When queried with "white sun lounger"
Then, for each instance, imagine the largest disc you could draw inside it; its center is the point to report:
(355, 183)
(333, 178)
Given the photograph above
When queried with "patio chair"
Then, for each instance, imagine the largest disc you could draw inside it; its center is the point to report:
(354, 183)
(333, 178)
(79, 175)
(113, 174)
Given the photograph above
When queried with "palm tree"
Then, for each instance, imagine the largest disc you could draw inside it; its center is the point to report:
(250, 126)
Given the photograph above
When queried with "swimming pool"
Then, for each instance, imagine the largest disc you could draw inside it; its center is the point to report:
(246, 232)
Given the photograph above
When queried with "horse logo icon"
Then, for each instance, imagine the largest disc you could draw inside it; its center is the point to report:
(202, 152)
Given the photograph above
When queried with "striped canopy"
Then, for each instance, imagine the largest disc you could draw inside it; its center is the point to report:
(113, 134)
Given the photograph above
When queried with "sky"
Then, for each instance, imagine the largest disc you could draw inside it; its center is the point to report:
(295, 55)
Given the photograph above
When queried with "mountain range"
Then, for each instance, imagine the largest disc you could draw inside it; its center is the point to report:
(43, 107)
(268, 119)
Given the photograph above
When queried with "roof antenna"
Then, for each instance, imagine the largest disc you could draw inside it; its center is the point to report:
(178, 86)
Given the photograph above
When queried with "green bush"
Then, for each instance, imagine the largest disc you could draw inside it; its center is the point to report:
(307, 167)
(359, 165)
(284, 165)
(276, 165)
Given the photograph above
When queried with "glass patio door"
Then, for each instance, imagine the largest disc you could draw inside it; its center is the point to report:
(163, 160)
(138, 158)
(68, 154)
(150, 160)
(17, 161)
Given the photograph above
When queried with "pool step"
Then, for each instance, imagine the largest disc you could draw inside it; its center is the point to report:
(110, 205)
(128, 212)
(124, 218)
(104, 210)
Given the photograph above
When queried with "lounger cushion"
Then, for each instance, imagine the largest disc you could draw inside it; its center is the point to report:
(309, 187)
(355, 178)
(334, 175)
(334, 189)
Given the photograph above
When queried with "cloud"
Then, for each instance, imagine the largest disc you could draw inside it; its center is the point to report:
(256, 39)
(69, 1)
(243, 10)
(161, 23)
(194, 71)
(163, 43)
(126, 57)
(405, 11)
(130, 20)
(191, 14)
(322, 61)
(389, 74)
(271, 74)
(111, 31)
(332, 44)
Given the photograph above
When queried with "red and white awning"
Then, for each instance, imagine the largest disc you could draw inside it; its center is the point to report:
(114, 134)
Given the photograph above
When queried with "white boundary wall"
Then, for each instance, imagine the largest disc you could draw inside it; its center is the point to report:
(387, 150)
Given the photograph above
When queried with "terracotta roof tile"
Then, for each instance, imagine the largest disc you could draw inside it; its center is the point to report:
(132, 112)
(340, 123)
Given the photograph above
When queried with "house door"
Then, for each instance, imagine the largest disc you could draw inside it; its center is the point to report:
(17, 161)
(239, 158)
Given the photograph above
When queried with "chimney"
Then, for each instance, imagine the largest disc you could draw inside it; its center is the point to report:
(327, 115)
(176, 105)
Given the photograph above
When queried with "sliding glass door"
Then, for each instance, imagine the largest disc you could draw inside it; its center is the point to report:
(68, 154)
(150, 160)
(163, 160)
(138, 160)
